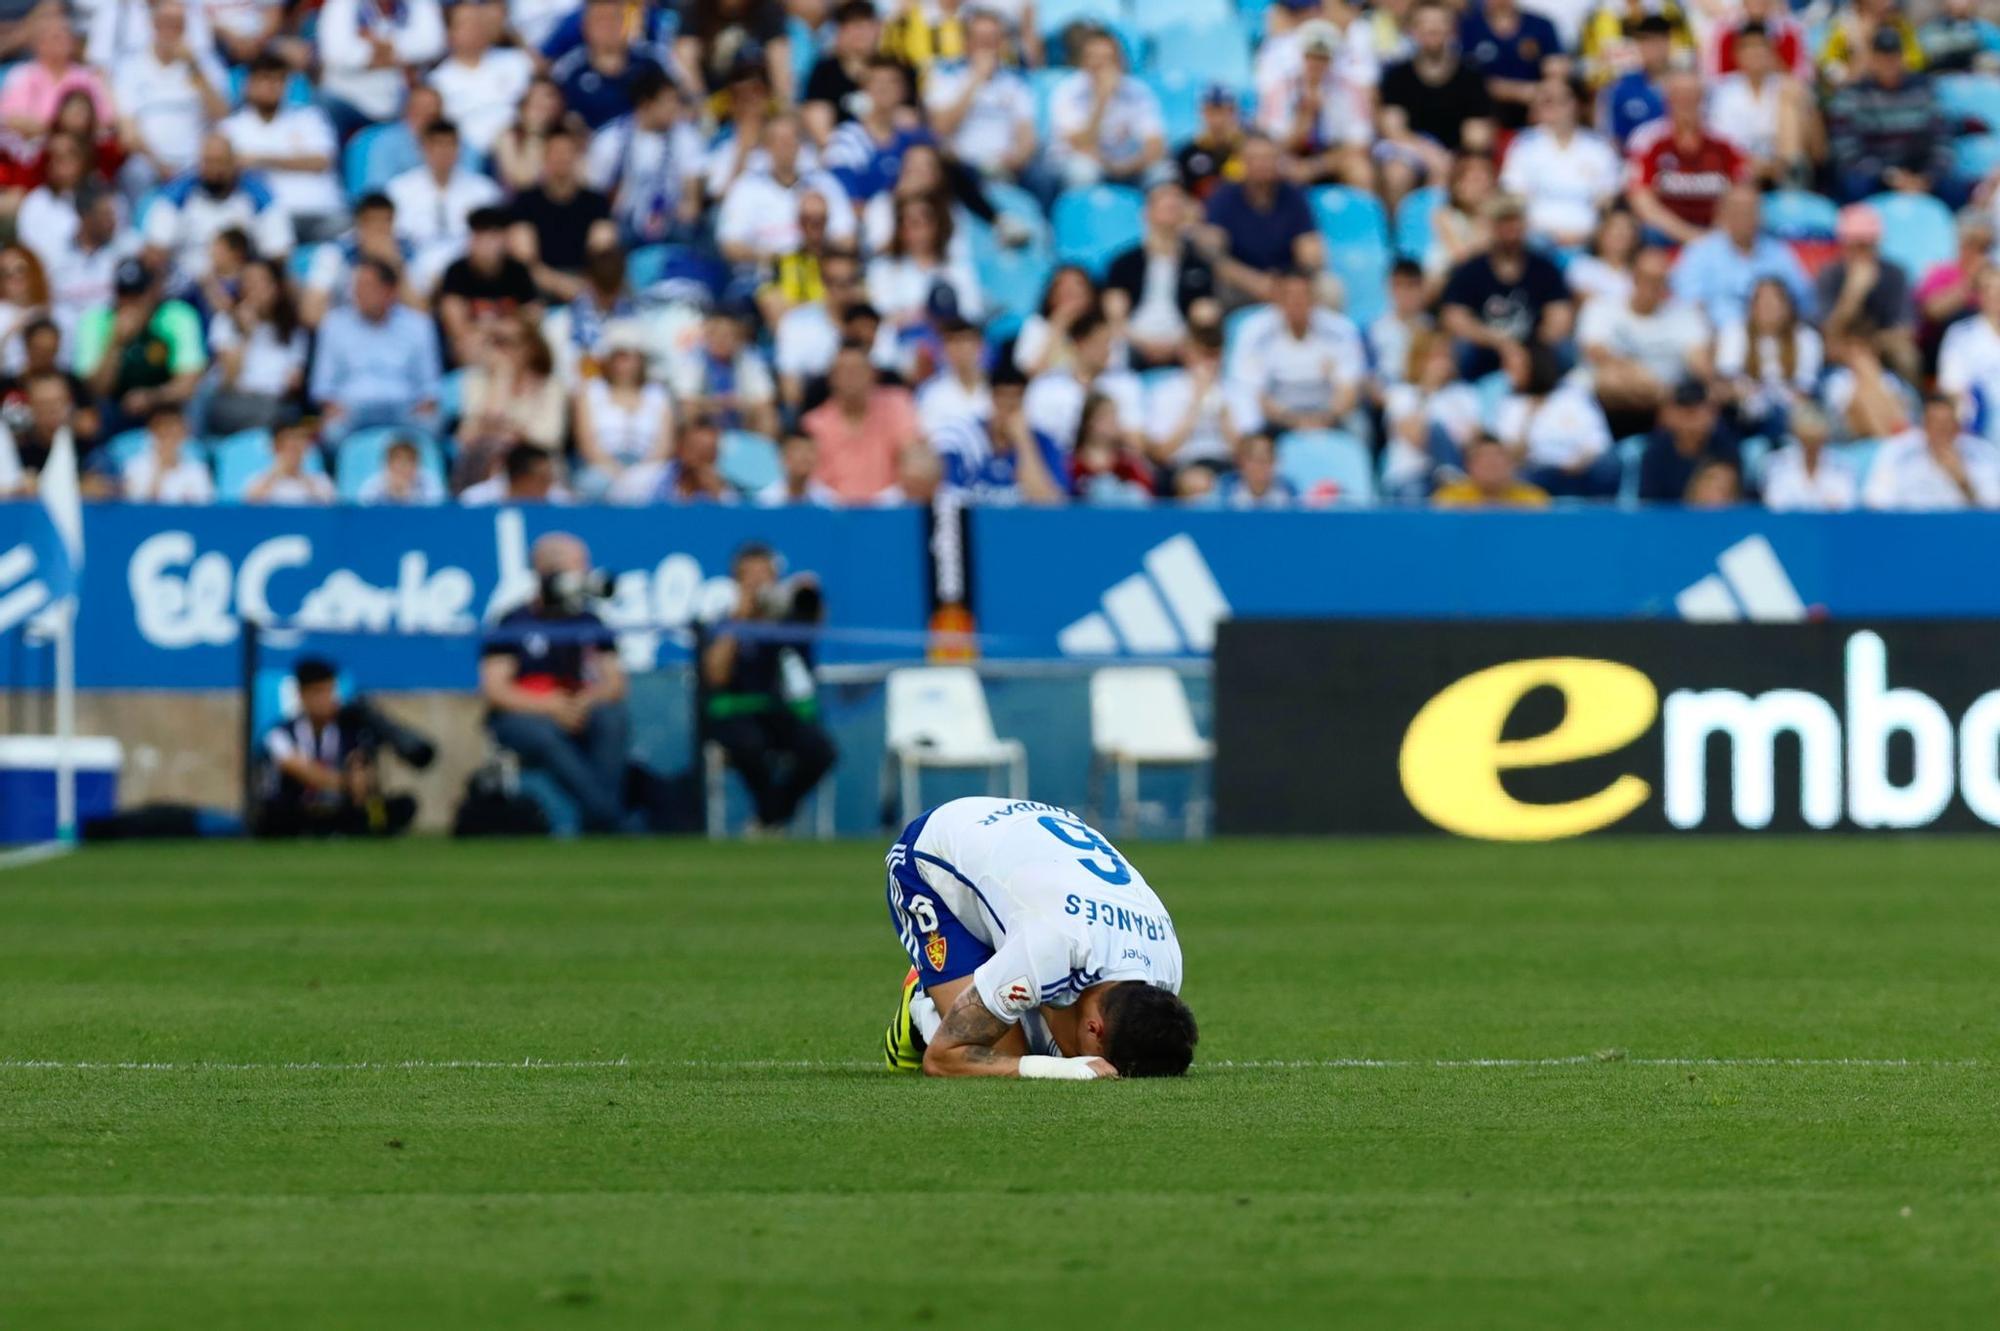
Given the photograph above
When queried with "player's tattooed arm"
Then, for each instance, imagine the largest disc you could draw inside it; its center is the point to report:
(964, 1044)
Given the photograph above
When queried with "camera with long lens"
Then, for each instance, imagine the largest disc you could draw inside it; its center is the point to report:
(570, 591)
(795, 600)
(375, 730)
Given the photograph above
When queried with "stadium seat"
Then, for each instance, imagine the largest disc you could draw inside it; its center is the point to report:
(240, 458)
(1918, 231)
(936, 716)
(1042, 83)
(128, 444)
(1094, 225)
(1976, 156)
(451, 395)
(1755, 454)
(1232, 329)
(1012, 277)
(1974, 97)
(1180, 102)
(1795, 214)
(1631, 452)
(749, 461)
(1057, 16)
(647, 264)
(1357, 243)
(1155, 16)
(1860, 456)
(359, 456)
(1211, 53)
(300, 262)
(1414, 220)
(1327, 467)
(357, 170)
(1140, 717)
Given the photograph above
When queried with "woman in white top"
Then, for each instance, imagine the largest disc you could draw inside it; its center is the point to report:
(622, 419)
(921, 177)
(1559, 433)
(916, 264)
(1432, 417)
(260, 354)
(1803, 476)
(1607, 269)
(1770, 359)
(1043, 343)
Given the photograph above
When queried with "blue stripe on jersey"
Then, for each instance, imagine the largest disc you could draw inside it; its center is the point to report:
(952, 869)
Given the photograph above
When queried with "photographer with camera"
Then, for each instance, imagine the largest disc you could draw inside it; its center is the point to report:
(756, 670)
(553, 685)
(320, 774)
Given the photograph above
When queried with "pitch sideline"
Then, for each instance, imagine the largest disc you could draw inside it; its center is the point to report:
(846, 1065)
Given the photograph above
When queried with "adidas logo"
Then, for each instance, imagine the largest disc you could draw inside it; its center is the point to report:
(1749, 583)
(1170, 608)
(19, 598)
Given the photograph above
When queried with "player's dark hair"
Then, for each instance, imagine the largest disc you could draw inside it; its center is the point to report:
(311, 670)
(1148, 1032)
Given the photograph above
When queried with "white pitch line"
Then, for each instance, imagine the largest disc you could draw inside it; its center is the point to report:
(36, 854)
(843, 1065)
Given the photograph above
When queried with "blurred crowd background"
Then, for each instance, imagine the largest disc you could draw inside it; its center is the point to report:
(1223, 252)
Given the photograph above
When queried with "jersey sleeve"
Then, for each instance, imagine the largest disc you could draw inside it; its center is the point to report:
(1035, 962)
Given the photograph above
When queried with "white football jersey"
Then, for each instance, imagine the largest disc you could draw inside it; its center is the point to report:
(1047, 904)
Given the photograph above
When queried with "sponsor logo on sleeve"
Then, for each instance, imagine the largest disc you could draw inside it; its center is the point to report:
(1017, 997)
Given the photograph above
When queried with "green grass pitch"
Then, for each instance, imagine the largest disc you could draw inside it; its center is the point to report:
(732, 1160)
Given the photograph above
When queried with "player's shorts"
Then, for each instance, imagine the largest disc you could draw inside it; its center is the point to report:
(939, 946)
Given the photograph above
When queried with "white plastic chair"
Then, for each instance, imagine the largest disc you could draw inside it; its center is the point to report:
(937, 717)
(1140, 717)
(715, 792)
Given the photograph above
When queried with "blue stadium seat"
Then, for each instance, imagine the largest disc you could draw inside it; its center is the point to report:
(1095, 225)
(1042, 83)
(749, 461)
(1414, 216)
(300, 262)
(644, 266)
(1232, 329)
(1631, 452)
(1055, 16)
(128, 444)
(360, 170)
(1012, 278)
(1860, 456)
(1327, 466)
(299, 90)
(1357, 243)
(1158, 15)
(1212, 53)
(240, 458)
(1971, 97)
(1918, 231)
(1796, 214)
(1755, 453)
(1180, 102)
(359, 456)
(1976, 156)
(451, 395)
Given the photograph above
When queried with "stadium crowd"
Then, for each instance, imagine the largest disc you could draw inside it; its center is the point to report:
(1038, 251)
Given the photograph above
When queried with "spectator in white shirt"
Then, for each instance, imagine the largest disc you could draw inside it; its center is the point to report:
(81, 275)
(1303, 366)
(1770, 360)
(1803, 477)
(759, 217)
(958, 391)
(1554, 428)
(1432, 418)
(169, 96)
(260, 354)
(1935, 466)
(365, 47)
(1761, 108)
(292, 147)
(1969, 358)
(622, 419)
(1319, 114)
(288, 481)
(981, 107)
(217, 196)
(435, 202)
(163, 472)
(403, 479)
(915, 281)
(121, 29)
(1194, 414)
(1104, 124)
(481, 85)
(47, 220)
(1565, 173)
(1640, 346)
(649, 163)
(1056, 398)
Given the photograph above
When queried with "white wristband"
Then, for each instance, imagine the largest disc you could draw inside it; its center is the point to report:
(1044, 1067)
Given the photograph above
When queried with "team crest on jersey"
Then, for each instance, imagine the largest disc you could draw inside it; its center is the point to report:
(934, 951)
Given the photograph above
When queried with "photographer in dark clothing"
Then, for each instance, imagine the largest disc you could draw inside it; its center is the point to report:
(321, 776)
(756, 671)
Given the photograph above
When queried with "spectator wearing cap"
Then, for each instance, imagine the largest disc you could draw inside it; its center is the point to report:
(1056, 397)
(1691, 432)
(1563, 172)
(596, 77)
(758, 222)
(1507, 47)
(1763, 108)
(648, 163)
(797, 483)
(1301, 365)
(1501, 303)
(288, 482)
(139, 352)
(866, 154)
(1441, 97)
(1196, 413)
(1968, 368)
(365, 49)
(403, 480)
(484, 288)
(1155, 289)
(217, 196)
(1718, 272)
(1865, 295)
(1886, 131)
(164, 472)
(1637, 97)
(1852, 35)
(861, 428)
(1935, 466)
(1958, 40)
(376, 360)
(1320, 111)
(435, 202)
(1213, 157)
(833, 86)
(958, 391)
(1639, 345)
(1490, 481)
(725, 377)
(292, 148)
(1104, 124)
(1804, 476)
(560, 220)
(1552, 425)
(330, 279)
(998, 457)
(481, 84)
(980, 106)
(169, 93)
(1260, 226)
(1678, 170)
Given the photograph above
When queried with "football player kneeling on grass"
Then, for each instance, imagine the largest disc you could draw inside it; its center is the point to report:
(1036, 950)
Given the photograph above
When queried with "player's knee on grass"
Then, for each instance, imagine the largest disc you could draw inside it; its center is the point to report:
(1148, 1032)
